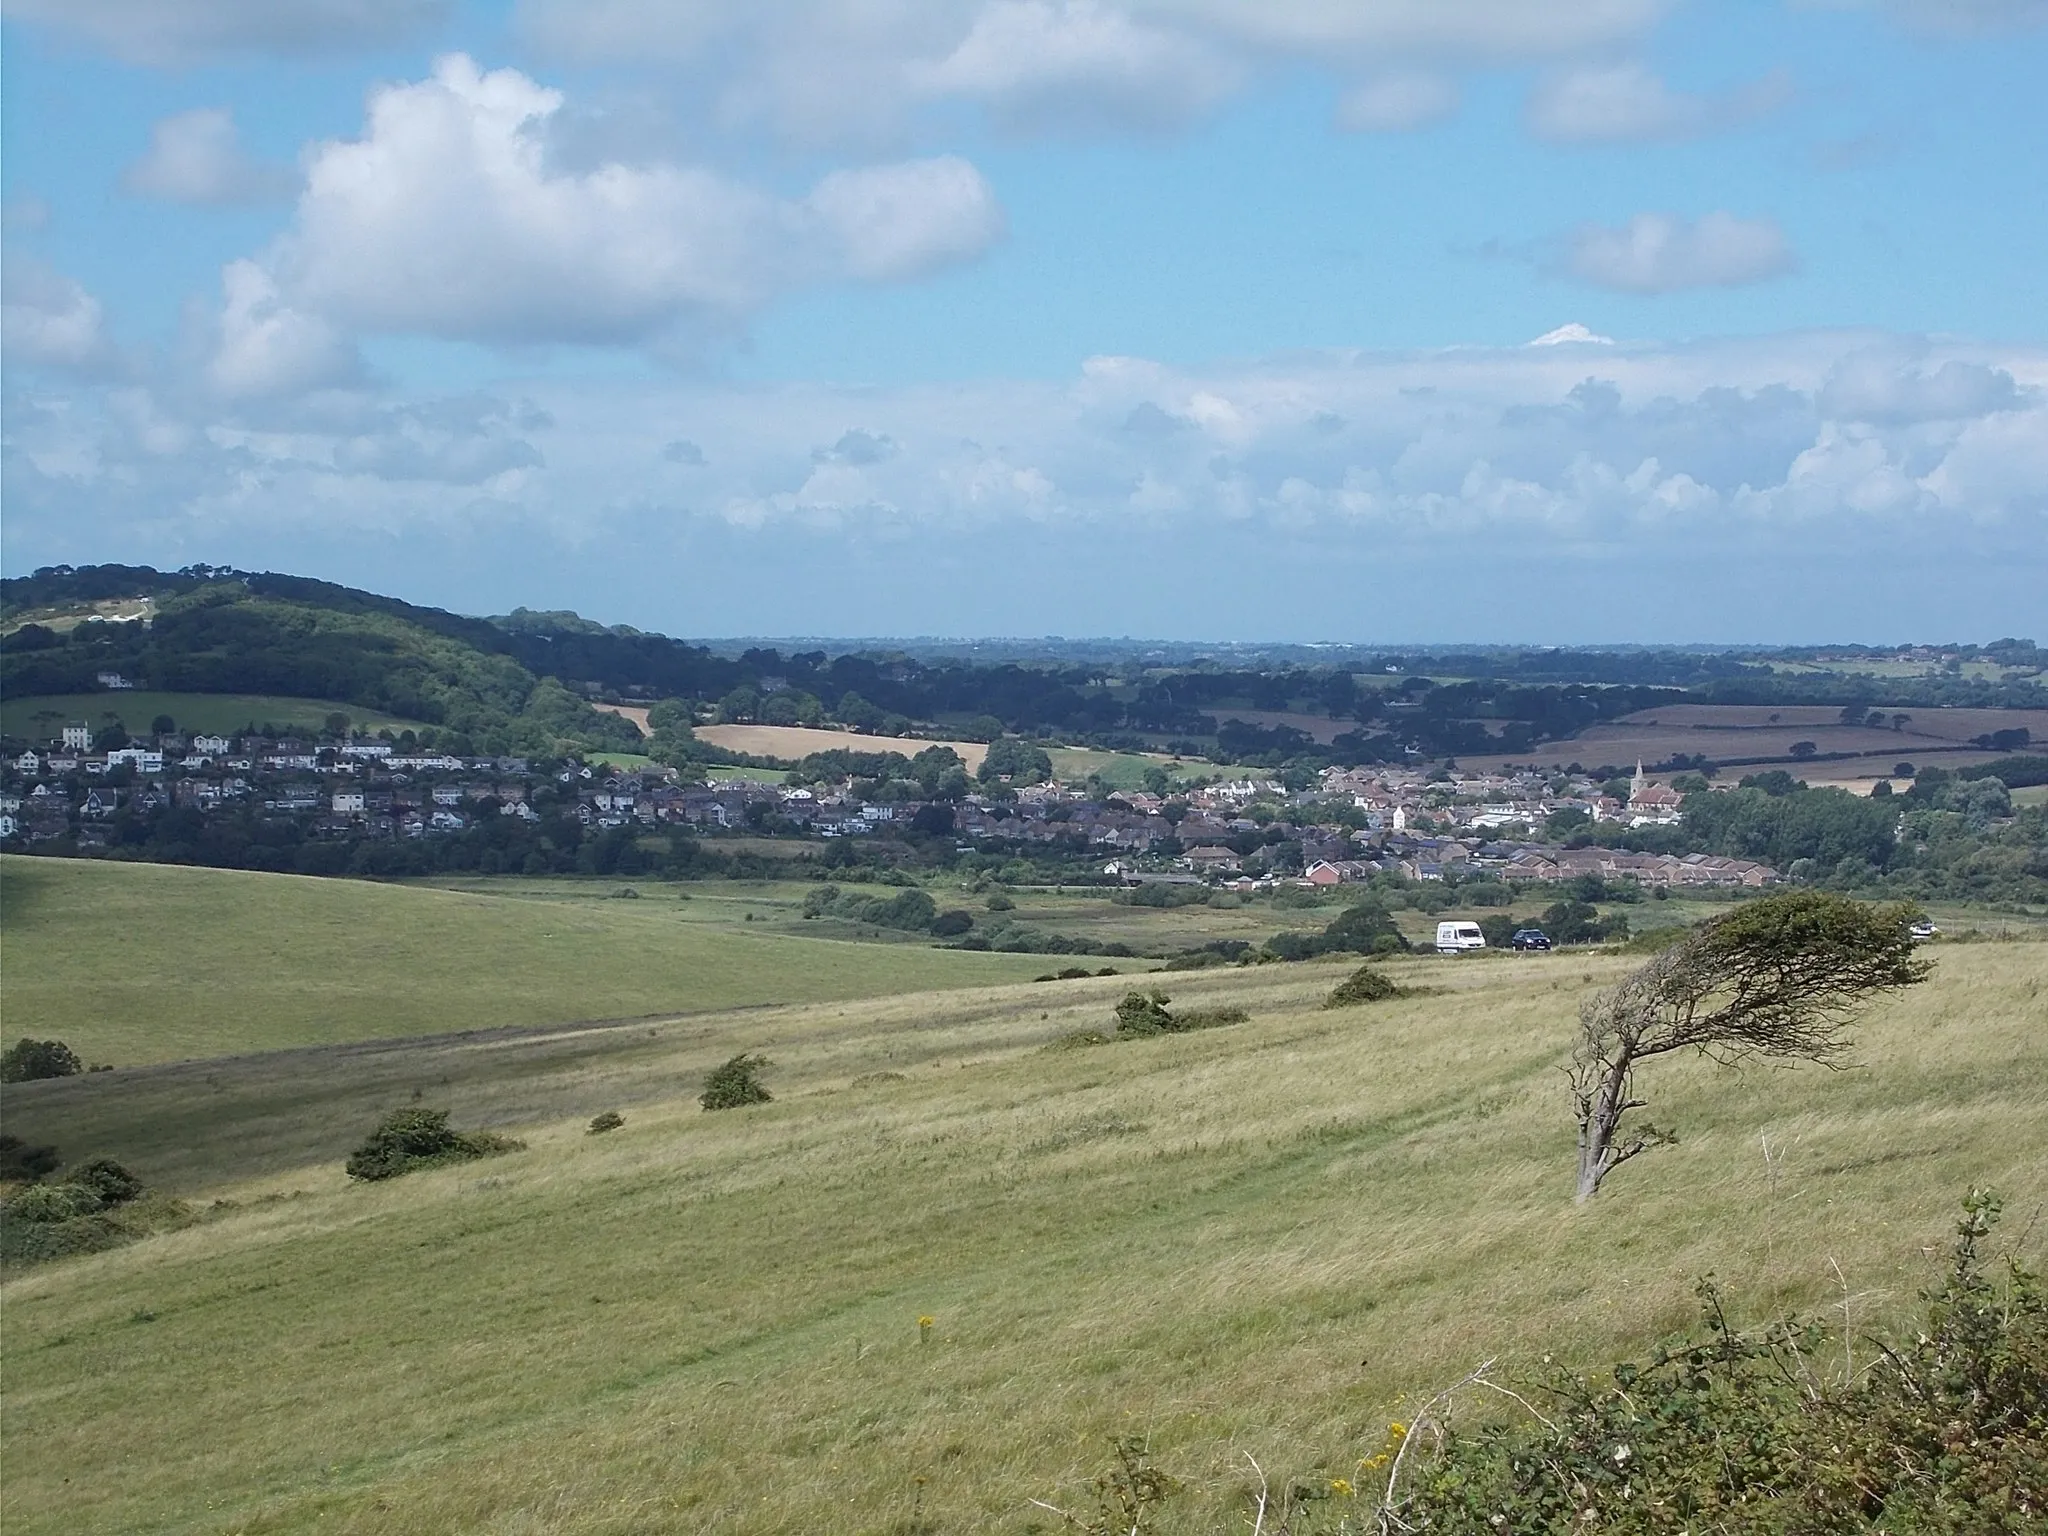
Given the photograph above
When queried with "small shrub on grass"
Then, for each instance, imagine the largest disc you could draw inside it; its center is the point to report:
(107, 1179)
(1364, 985)
(29, 1061)
(736, 1083)
(610, 1120)
(410, 1139)
(1144, 1013)
(1001, 903)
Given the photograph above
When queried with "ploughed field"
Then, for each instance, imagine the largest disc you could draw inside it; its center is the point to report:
(1266, 1239)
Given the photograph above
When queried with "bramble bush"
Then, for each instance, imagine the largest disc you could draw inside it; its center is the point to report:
(407, 1140)
(1367, 984)
(610, 1120)
(1778, 1431)
(736, 1083)
(1144, 1014)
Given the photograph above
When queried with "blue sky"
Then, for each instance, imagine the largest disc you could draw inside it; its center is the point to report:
(1203, 319)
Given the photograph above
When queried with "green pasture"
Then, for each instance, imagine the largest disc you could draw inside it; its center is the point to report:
(218, 714)
(134, 963)
(1259, 1243)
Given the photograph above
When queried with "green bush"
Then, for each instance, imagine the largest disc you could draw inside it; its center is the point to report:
(1947, 1432)
(736, 1083)
(410, 1139)
(1144, 1013)
(1364, 985)
(1001, 903)
(610, 1120)
(113, 1184)
(28, 1061)
(52, 1202)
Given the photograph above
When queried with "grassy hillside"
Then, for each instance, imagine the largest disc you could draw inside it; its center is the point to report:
(212, 713)
(134, 963)
(1263, 1240)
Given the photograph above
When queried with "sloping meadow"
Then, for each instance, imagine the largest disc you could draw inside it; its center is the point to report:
(1267, 1239)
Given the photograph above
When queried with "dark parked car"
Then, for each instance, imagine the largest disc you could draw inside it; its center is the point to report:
(1529, 938)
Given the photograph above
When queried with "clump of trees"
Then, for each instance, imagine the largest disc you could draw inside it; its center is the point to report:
(1776, 979)
(407, 1140)
(735, 1083)
(1363, 928)
(28, 1061)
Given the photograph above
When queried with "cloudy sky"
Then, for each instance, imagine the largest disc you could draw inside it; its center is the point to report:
(1399, 320)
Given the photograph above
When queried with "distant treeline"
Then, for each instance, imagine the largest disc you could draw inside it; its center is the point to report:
(520, 683)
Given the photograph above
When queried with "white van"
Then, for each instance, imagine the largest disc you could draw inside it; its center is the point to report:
(1456, 938)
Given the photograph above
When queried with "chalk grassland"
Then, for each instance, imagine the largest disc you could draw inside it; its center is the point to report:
(1263, 1240)
(224, 714)
(793, 741)
(134, 963)
(68, 617)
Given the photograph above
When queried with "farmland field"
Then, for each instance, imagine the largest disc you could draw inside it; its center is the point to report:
(1266, 1240)
(224, 714)
(133, 963)
(794, 741)
(1725, 732)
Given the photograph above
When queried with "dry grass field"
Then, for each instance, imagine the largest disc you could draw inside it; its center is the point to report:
(794, 741)
(134, 963)
(1266, 1240)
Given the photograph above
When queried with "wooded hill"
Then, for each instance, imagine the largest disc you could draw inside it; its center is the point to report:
(522, 682)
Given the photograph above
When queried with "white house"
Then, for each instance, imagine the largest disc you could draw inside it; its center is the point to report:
(212, 746)
(77, 738)
(349, 802)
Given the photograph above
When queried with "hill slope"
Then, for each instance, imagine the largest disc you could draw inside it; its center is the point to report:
(1257, 1240)
(136, 963)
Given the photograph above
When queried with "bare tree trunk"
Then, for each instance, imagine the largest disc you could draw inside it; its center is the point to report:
(1601, 1088)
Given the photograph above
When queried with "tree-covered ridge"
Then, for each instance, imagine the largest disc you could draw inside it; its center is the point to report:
(221, 630)
(306, 639)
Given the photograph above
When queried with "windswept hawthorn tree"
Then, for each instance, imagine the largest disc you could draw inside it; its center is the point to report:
(1778, 978)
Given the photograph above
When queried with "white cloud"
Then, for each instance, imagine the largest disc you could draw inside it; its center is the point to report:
(262, 345)
(1391, 103)
(1628, 102)
(1662, 252)
(1887, 384)
(1037, 62)
(1254, 487)
(48, 320)
(448, 218)
(1569, 334)
(195, 157)
(821, 71)
(184, 31)
(891, 222)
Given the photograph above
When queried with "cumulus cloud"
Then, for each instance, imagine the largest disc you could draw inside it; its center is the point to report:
(1259, 481)
(196, 157)
(154, 32)
(1889, 385)
(48, 320)
(1662, 253)
(1628, 102)
(822, 70)
(449, 218)
(262, 345)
